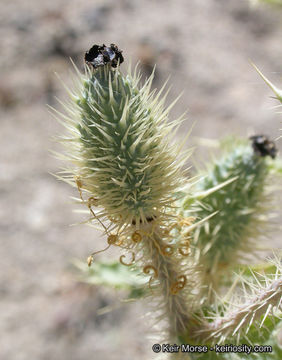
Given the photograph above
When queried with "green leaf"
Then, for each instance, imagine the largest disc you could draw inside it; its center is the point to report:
(114, 275)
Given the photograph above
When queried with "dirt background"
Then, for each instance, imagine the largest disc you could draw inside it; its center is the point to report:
(205, 46)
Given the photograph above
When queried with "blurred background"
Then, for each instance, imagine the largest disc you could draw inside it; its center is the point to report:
(206, 47)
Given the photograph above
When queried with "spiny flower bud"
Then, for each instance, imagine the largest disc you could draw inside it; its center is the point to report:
(229, 236)
(120, 141)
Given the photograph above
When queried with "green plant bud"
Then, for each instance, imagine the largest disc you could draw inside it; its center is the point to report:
(231, 235)
(120, 144)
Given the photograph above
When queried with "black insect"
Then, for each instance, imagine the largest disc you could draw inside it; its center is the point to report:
(263, 146)
(148, 219)
(102, 55)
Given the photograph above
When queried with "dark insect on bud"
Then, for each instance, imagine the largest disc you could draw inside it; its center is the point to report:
(102, 55)
(148, 219)
(263, 146)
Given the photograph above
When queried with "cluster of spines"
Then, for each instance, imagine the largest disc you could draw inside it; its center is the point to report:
(230, 235)
(123, 153)
(238, 318)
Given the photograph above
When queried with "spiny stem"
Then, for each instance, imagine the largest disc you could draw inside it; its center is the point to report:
(245, 315)
(172, 280)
